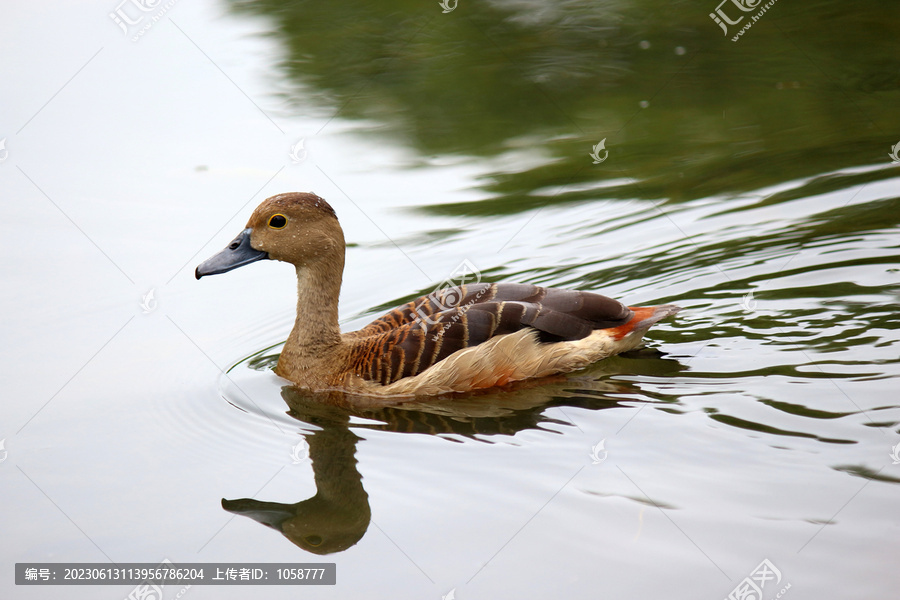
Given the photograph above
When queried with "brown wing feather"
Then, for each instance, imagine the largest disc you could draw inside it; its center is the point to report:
(416, 335)
(426, 306)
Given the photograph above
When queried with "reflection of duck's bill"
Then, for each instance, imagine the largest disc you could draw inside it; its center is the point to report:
(237, 254)
(271, 514)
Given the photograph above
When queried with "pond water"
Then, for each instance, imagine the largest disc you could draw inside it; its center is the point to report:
(750, 182)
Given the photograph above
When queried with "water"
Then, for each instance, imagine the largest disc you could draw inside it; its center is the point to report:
(748, 182)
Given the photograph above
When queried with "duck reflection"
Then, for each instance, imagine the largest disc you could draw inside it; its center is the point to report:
(338, 515)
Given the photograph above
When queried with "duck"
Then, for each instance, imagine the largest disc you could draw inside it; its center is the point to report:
(462, 338)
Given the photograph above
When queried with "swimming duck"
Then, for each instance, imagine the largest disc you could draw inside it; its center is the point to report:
(463, 338)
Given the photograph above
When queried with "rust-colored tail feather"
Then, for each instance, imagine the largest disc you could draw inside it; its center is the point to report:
(644, 317)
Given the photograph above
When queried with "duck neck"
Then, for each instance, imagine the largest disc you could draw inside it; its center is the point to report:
(316, 331)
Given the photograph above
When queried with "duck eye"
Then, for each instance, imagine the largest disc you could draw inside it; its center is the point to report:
(277, 221)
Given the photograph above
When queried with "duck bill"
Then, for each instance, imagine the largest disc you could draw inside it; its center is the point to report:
(237, 254)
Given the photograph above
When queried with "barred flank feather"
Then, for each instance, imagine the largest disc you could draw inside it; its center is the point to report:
(421, 333)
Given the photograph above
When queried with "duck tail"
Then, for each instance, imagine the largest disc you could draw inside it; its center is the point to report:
(644, 317)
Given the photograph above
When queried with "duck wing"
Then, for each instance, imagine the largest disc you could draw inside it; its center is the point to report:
(421, 333)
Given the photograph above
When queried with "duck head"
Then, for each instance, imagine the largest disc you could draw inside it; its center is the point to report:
(298, 228)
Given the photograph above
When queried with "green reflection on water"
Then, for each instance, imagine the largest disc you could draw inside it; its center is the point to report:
(686, 112)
